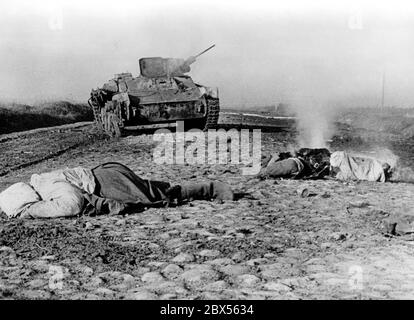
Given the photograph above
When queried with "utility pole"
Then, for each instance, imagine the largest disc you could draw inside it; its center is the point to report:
(383, 89)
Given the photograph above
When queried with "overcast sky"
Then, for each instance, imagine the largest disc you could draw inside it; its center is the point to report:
(266, 52)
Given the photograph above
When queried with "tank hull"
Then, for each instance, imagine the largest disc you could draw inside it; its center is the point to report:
(125, 103)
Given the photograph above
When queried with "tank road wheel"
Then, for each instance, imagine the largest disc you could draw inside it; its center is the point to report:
(211, 118)
(213, 110)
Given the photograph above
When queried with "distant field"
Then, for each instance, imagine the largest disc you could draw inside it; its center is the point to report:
(16, 117)
(397, 121)
(19, 117)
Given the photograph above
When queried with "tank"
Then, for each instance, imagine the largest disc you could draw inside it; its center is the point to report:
(162, 94)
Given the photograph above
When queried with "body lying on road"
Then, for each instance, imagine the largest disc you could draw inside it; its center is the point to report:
(319, 163)
(110, 188)
(303, 164)
(347, 167)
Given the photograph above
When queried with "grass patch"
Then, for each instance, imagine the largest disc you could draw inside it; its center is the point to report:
(20, 117)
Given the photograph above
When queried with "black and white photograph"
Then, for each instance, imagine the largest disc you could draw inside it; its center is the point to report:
(226, 151)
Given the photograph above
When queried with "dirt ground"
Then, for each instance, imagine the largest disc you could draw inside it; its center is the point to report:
(330, 245)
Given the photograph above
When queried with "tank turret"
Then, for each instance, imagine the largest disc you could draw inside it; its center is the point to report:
(156, 67)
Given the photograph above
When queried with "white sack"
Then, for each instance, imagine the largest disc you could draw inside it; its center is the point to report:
(356, 168)
(16, 198)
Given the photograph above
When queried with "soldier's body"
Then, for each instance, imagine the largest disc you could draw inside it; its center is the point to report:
(110, 188)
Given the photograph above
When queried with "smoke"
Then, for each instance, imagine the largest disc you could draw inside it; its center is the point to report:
(400, 172)
(381, 154)
(403, 174)
(386, 155)
(314, 123)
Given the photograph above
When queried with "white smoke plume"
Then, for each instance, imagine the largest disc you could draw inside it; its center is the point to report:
(314, 123)
(381, 154)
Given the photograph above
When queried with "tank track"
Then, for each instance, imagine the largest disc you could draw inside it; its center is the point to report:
(211, 119)
(110, 119)
(96, 113)
(213, 111)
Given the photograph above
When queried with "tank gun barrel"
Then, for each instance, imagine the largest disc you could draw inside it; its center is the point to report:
(209, 48)
(192, 59)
